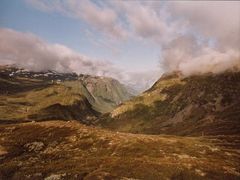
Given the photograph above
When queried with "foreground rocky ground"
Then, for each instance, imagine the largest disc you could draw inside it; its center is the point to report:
(69, 150)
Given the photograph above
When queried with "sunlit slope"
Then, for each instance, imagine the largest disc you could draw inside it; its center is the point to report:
(28, 95)
(69, 150)
(38, 100)
(196, 105)
(103, 93)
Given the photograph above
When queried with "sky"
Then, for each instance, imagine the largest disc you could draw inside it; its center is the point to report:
(132, 41)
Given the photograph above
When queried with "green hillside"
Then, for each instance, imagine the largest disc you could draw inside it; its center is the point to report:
(26, 95)
(41, 101)
(196, 105)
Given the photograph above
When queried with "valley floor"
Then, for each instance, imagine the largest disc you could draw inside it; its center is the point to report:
(70, 150)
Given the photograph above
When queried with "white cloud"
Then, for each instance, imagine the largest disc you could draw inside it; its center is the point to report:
(187, 55)
(29, 51)
(177, 27)
(101, 18)
(209, 20)
(214, 19)
(121, 19)
(147, 22)
(211, 61)
(157, 21)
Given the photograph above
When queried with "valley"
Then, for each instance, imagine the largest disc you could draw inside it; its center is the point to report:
(68, 126)
(119, 90)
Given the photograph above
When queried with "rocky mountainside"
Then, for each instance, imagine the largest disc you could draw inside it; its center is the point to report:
(27, 95)
(106, 92)
(197, 105)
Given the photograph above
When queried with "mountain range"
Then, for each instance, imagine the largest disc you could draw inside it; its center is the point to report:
(28, 95)
(68, 126)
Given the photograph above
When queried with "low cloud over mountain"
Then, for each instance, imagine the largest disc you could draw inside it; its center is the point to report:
(29, 51)
(192, 37)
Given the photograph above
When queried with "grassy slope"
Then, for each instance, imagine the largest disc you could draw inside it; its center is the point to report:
(206, 104)
(103, 93)
(39, 100)
(71, 150)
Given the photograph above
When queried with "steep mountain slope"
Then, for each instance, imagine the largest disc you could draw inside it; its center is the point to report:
(106, 92)
(70, 150)
(196, 105)
(27, 95)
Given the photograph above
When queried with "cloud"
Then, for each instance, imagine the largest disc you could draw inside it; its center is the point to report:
(143, 20)
(147, 20)
(29, 51)
(193, 51)
(214, 19)
(189, 56)
(101, 18)
(212, 61)
(193, 37)
(160, 22)
(120, 19)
